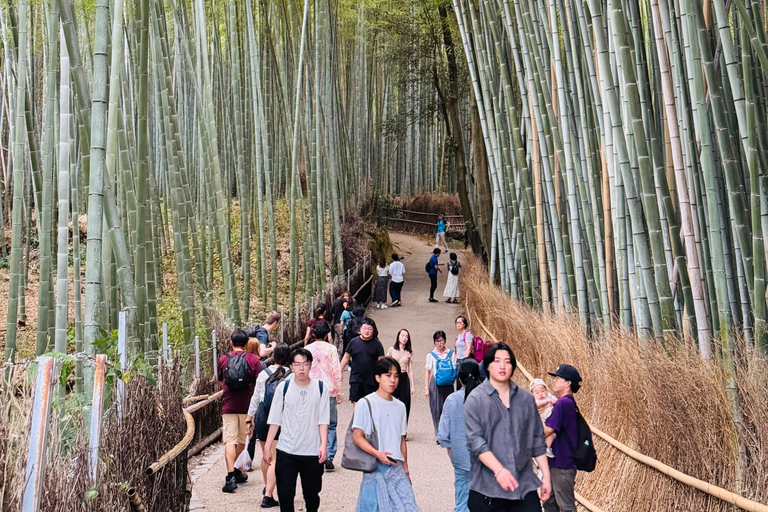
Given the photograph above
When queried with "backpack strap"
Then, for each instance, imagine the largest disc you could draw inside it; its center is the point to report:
(285, 390)
(320, 385)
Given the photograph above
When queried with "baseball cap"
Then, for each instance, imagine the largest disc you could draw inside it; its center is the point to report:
(567, 372)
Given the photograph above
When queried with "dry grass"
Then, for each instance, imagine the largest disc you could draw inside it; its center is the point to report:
(669, 405)
(152, 424)
(447, 204)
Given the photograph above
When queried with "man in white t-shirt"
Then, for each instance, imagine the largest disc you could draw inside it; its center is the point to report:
(396, 270)
(300, 409)
(389, 487)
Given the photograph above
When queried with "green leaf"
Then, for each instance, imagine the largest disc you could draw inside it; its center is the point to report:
(91, 494)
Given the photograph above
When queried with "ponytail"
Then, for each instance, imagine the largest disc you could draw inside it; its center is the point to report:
(471, 384)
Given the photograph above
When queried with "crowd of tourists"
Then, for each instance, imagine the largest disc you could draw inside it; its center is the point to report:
(512, 449)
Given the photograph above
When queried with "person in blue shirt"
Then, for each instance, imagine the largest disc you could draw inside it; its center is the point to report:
(434, 268)
(441, 226)
(452, 432)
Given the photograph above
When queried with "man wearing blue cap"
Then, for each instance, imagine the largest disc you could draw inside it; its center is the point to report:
(563, 423)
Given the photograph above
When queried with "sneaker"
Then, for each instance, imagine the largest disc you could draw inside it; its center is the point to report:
(550, 453)
(329, 467)
(448, 300)
(432, 300)
(383, 306)
(240, 477)
(269, 502)
(378, 306)
(229, 484)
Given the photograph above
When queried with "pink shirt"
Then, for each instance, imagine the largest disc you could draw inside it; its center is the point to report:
(325, 365)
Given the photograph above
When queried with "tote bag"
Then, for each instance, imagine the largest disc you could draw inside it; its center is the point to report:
(356, 459)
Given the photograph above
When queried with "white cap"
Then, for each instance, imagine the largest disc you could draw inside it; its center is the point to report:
(537, 382)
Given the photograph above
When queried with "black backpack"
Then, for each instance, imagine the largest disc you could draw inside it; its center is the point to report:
(584, 454)
(455, 268)
(429, 266)
(260, 426)
(237, 373)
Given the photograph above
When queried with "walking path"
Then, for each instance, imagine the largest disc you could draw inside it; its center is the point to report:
(431, 470)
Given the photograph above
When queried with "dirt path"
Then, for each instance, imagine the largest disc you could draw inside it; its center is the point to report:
(430, 467)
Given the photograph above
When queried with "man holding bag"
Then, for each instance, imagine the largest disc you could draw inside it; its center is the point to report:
(388, 488)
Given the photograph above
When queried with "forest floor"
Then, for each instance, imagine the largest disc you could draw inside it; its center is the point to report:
(430, 467)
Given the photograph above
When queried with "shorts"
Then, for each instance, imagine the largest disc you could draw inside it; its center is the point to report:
(235, 429)
(358, 390)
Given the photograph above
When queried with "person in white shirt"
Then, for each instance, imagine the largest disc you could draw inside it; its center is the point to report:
(300, 409)
(396, 271)
(388, 489)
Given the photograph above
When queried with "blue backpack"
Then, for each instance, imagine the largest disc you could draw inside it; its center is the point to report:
(445, 370)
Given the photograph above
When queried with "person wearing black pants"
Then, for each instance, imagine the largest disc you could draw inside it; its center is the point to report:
(301, 410)
(433, 267)
(287, 468)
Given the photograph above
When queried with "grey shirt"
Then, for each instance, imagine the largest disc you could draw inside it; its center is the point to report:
(513, 435)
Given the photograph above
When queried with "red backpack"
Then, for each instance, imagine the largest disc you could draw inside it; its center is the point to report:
(478, 347)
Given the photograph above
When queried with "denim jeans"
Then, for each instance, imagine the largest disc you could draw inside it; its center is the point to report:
(461, 485)
(332, 445)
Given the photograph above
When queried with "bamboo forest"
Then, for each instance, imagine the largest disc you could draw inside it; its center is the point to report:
(176, 169)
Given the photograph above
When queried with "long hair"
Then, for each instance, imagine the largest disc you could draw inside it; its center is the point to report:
(282, 355)
(469, 375)
(407, 345)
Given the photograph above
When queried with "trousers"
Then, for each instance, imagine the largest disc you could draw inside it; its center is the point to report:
(461, 487)
(288, 468)
(395, 289)
(562, 499)
(432, 285)
(481, 503)
(332, 443)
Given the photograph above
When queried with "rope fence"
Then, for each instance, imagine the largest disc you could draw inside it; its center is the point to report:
(688, 480)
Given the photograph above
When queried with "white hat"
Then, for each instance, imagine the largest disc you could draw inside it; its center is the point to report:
(537, 382)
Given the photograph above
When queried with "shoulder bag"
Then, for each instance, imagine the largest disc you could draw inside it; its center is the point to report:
(354, 457)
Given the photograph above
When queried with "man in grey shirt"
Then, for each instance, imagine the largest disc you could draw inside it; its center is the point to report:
(504, 432)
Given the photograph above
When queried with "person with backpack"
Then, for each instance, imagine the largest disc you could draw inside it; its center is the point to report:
(362, 354)
(237, 372)
(432, 268)
(300, 410)
(439, 377)
(452, 433)
(261, 333)
(258, 412)
(381, 417)
(564, 423)
(326, 367)
(352, 326)
(504, 432)
(452, 284)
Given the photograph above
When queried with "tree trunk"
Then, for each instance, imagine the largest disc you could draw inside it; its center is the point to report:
(456, 135)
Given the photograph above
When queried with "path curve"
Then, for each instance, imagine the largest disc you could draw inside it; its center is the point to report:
(430, 468)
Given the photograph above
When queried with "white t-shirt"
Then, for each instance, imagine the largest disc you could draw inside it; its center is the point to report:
(382, 271)
(431, 362)
(390, 419)
(299, 417)
(396, 270)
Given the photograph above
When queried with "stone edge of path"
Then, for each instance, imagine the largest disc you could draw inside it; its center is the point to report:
(199, 466)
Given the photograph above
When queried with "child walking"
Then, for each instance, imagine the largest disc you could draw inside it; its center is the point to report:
(388, 489)
(452, 284)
